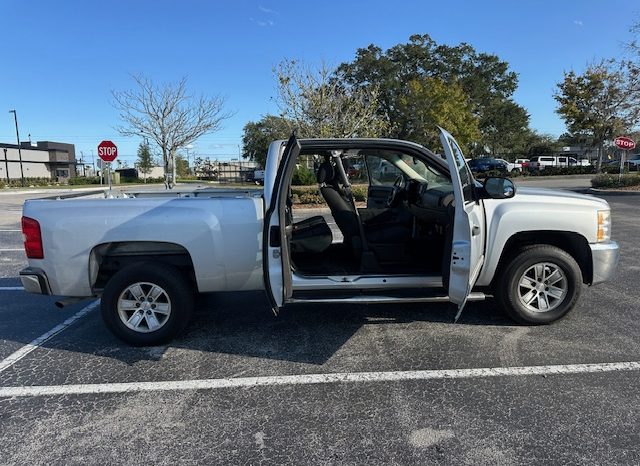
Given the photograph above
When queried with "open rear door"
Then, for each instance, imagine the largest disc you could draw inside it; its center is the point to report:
(276, 261)
(467, 250)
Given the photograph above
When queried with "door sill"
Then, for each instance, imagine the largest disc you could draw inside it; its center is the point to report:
(363, 282)
(378, 299)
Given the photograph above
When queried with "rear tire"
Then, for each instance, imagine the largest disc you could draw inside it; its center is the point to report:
(147, 304)
(539, 285)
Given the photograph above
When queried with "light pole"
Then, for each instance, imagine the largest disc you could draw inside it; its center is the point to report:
(190, 146)
(6, 164)
(15, 118)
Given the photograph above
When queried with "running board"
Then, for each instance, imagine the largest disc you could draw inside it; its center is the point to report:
(475, 296)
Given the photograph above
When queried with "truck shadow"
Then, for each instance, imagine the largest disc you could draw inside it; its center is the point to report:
(241, 324)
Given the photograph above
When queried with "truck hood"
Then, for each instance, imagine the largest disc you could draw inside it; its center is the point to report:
(558, 196)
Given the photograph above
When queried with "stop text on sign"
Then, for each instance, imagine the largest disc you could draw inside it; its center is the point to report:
(624, 143)
(107, 151)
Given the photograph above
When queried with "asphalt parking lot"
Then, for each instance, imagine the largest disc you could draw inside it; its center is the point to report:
(317, 385)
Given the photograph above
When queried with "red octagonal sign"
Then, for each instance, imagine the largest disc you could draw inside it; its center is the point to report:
(624, 143)
(107, 151)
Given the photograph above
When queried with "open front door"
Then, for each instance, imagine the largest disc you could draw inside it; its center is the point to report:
(278, 220)
(467, 250)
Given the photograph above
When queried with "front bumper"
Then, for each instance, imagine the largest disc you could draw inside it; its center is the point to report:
(604, 257)
(34, 280)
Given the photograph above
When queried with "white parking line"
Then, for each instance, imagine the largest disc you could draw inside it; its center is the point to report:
(12, 231)
(28, 348)
(11, 250)
(11, 288)
(310, 379)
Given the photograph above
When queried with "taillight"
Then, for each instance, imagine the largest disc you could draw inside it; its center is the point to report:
(32, 238)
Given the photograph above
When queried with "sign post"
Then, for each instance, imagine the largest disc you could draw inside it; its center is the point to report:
(108, 152)
(625, 144)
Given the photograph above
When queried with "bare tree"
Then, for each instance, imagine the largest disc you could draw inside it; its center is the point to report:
(320, 105)
(169, 116)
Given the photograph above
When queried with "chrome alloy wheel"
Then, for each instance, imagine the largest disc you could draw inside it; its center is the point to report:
(144, 307)
(542, 287)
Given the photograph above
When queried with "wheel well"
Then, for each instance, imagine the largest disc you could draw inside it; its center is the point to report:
(573, 243)
(108, 258)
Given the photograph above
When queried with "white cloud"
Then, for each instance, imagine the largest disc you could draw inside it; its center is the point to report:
(577, 22)
(267, 10)
(265, 23)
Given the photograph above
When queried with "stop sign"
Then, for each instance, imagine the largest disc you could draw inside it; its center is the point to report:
(107, 151)
(624, 143)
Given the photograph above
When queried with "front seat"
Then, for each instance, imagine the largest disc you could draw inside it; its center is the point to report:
(342, 210)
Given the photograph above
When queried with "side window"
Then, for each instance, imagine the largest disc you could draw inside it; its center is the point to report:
(356, 169)
(463, 171)
(381, 171)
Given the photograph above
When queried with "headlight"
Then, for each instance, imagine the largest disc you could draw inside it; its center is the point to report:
(604, 225)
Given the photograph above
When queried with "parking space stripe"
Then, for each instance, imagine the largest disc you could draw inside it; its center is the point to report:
(311, 379)
(10, 231)
(11, 250)
(11, 288)
(28, 348)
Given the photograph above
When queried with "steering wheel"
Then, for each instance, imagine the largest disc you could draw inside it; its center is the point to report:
(396, 190)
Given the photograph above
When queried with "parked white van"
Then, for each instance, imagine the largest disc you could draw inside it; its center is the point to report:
(539, 162)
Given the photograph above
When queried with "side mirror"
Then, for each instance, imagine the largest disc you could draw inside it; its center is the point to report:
(499, 188)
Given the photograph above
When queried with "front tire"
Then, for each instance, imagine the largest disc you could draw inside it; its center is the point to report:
(539, 285)
(147, 304)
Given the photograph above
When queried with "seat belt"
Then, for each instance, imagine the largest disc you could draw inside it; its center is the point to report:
(347, 189)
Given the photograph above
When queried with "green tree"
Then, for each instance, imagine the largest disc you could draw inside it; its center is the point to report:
(542, 144)
(145, 162)
(432, 103)
(320, 105)
(601, 103)
(484, 78)
(182, 165)
(257, 135)
(505, 127)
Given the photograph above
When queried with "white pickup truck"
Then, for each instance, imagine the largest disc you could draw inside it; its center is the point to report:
(428, 233)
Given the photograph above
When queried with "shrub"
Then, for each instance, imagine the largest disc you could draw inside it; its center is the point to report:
(615, 181)
(16, 183)
(306, 195)
(311, 194)
(615, 169)
(302, 176)
(576, 170)
(311, 198)
(78, 180)
(359, 193)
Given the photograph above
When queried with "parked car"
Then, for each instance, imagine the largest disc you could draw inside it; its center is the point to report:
(430, 234)
(512, 167)
(485, 164)
(524, 163)
(539, 162)
(632, 163)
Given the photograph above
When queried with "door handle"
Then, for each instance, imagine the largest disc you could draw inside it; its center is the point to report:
(475, 230)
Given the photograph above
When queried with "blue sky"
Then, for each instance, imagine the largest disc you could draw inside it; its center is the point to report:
(60, 59)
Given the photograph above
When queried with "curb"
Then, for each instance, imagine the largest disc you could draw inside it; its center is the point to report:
(611, 192)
